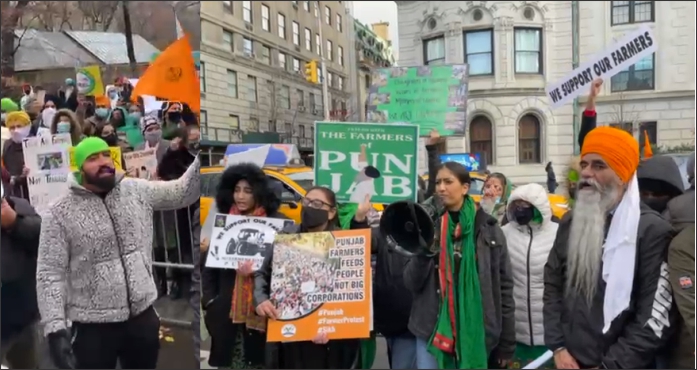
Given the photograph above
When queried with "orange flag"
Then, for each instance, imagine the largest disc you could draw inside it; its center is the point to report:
(172, 76)
(648, 152)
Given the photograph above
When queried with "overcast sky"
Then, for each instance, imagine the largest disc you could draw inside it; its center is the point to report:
(368, 12)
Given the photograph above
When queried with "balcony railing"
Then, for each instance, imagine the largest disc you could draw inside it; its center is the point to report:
(301, 142)
(221, 135)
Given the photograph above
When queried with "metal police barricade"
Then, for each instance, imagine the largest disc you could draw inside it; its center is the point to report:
(173, 251)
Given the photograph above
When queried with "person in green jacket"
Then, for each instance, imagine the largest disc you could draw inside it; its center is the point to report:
(127, 123)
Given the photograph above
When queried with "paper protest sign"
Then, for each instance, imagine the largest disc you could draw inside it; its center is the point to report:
(46, 158)
(356, 160)
(321, 283)
(238, 239)
(632, 48)
(141, 164)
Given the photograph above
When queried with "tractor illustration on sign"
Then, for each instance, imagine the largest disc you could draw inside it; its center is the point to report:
(249, 242)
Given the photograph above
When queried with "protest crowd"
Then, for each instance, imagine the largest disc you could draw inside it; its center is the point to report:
(608, 284)
(78, 283)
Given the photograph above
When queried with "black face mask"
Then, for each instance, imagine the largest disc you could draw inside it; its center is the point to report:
(174, 117)
(523, 215)
(111, 140)
(27, 92)
(657, 204)
(194, 145)
(104, 183)
(313, 217)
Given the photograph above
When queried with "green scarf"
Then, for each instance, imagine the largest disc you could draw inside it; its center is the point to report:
(459, 341)
(368, 347)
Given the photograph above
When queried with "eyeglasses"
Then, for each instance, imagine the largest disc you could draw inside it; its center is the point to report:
(315, 203)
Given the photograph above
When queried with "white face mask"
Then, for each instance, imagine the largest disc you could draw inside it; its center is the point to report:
(20, 133)
(47, 116)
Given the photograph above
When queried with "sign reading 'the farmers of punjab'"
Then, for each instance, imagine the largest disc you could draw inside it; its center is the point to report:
(357, 159)
(433, 97)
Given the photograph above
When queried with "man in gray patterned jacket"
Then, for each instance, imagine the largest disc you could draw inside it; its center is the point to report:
(95, 268)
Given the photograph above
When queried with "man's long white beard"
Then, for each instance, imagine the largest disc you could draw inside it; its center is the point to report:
(586, 238)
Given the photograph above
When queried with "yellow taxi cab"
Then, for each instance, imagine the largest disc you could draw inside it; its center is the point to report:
(558, 202)
(295, 180)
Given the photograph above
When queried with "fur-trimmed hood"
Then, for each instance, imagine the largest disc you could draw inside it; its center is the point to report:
(75, 124)
(265, 194)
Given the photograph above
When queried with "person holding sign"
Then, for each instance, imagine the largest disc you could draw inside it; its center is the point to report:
(238, 335)
(319, 214)
(94, 267)
(463, 309)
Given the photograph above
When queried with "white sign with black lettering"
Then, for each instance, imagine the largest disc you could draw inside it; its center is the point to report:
(632, 48)
(238, 239)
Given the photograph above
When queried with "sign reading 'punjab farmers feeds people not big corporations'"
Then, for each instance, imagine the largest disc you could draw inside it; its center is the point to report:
(632, 48)
(357, 159)
(321, 283)
(428, 96)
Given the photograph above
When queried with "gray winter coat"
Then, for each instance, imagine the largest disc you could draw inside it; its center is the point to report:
(94, 262)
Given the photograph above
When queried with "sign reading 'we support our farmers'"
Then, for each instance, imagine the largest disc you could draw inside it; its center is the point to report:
(357, 159)
(634, 47)
(428, 96)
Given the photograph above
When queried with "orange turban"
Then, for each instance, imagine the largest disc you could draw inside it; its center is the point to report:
(619, 149)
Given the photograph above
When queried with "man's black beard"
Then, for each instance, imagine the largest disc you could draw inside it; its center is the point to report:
(105, 184)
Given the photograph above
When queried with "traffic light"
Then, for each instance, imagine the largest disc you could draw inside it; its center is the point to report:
(311, 72)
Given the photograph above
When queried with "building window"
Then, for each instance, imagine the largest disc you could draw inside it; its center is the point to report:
(202, 77)
(368, 81)
(340, 83)
(301, 131)
(234, 122)
(627, 12)
(528, 50)
(227, 6)
(232, 83)
(330, 79)
(248, 46)
(479, 55)
(247, 11)
(285, 97)
(296, 65)
(328, 15)
(281, 26)
(301, 98)
(340, 55)
(312, 101)
(316, 8)
(651, 130)
(330, 50)
(228, 40)
(265, 18)
(318, 44)
(308, 39)
(266, 54)
(312, 132)
(203, 117)
(339, 26)
(639, 76)
(306, 5)
(320, 75)
(481, 138)
(296, 33)
(626, 126)
(253, 124)
(288, 128)
(252, 89)
(529, 139)
(434, 51)
(282, 62)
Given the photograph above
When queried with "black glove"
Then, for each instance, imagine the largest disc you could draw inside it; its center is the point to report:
(61, 350)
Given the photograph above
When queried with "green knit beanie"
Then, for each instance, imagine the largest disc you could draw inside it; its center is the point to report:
(86, 148)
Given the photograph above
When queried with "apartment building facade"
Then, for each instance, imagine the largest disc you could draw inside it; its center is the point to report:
(373, 50)
(515, 48)
(253, 56)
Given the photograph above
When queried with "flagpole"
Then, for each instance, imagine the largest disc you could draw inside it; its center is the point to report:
(325, 90)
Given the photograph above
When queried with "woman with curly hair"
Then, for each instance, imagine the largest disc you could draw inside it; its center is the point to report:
(66, 122)
(238, 335)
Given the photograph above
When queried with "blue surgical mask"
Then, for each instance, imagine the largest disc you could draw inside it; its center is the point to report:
(101, 112)
(134, 115)
(497, 200)
(63, 127)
